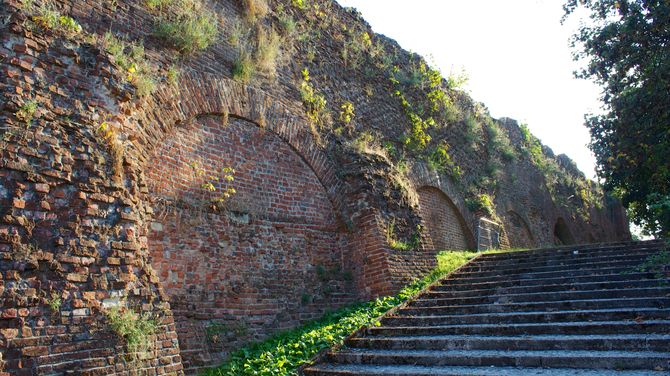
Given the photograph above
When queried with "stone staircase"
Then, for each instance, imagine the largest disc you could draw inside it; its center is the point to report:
(581, 310)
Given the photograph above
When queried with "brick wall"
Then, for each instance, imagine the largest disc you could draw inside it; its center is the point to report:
(275, 257)
(446, 225)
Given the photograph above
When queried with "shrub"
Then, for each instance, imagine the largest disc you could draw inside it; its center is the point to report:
(188, 26)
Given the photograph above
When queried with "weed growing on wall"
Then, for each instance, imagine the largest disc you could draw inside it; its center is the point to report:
(26, 112)
(50, 19)
(220, 188)
(243, 67)
(346, 113)
(283, 353)
(314, 103)
(106, 133)
(135, 329)
(440, 160)
(131, 58)
(392, 240)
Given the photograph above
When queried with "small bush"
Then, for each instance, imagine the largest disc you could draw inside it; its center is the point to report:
(188, 26)
(172, 75)
(483, 202)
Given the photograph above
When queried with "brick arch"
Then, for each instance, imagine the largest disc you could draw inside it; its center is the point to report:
(259, 266)
(446, 225)
(203, 94)
(518, 231)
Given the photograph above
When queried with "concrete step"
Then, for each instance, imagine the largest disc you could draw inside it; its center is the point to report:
(541, 316)
(622, 268)
(438, 293)
(556, 359)
(569, 328)
(623, 265)
(483, 266)
(547, 306)
(594, 342)
(431, 300)
(455, 285)
(331, 369)
(569, 250)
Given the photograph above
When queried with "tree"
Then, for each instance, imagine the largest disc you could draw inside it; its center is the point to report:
(626, 48)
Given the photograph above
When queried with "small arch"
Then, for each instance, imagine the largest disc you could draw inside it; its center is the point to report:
(562, 234)
(518, 231)
(446, 226)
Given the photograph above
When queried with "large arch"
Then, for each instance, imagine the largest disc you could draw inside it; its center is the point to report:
(279, 254)
(446, 225)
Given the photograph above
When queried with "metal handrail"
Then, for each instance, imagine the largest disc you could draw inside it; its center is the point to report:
(487, 233)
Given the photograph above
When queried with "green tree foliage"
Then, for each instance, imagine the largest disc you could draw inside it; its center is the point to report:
(627, 51)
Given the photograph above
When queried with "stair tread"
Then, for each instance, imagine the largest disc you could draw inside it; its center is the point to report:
(590, 311)
(533, 324)
(556, 337)
(508, 353)
(365, 369)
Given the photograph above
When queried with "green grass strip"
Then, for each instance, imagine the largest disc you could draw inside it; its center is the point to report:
(284, 352)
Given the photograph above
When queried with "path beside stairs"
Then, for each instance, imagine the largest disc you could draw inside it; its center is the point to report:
(581, 310)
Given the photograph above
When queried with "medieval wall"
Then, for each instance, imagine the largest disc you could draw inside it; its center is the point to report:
(110, 200)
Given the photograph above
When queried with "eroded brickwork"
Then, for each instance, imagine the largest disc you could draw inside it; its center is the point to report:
(446, 225)
(276, 257)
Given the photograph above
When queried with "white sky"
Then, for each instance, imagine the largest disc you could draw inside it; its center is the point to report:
(515, 52)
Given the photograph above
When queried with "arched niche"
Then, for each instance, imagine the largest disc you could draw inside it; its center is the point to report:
(446, 226)
(273, 256)
(562, 234)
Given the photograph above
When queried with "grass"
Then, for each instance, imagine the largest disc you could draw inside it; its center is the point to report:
(284, 352)
(243, 67)
(267, 51)
(255, 10)
(189, 26)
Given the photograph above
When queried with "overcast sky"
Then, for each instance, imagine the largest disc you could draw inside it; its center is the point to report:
(515, 52)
